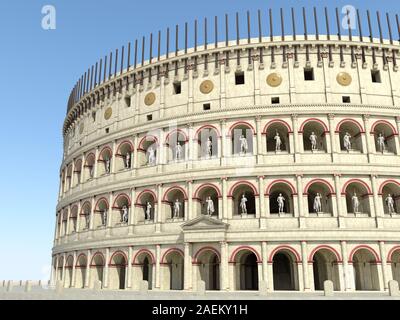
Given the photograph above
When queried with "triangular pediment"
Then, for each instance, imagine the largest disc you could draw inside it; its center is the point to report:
(204, 222)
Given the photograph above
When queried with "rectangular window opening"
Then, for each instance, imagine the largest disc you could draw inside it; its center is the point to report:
(346, 99)
(376, 76)
(177, 87)
(107, 130)
(309, 74)
(275, 100)
(149, 117)
(206, 106)
(239, 77)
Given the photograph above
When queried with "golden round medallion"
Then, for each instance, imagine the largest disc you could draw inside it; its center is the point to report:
(108, 113)
(206, 86)
(343, 78)
(149, 99)
(274, 79)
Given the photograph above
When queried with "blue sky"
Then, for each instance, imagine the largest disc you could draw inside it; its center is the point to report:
(38, 69)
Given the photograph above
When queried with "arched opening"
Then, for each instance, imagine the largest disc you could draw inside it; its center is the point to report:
(64, 222)
(243, 199)
(102, 213)
(68, 272)
(319, 198)
(350, 137)
(246, 270)
(96, 269)
(117, 271)
(73, 217)
(208, 264)
(285, 273)
(325, 267)
(146, 268)
(177, 143)
(146, 202)
(60, 269)
(384, 137)
(89, 166)
(207, 139)
(175, 202)
(122, 206)
(357, 198)
(69, 177)
(80, 272)
(391, 198)
(281, 199)
(395, 263)
(242, 140)
(124, 156)
(208, 201)
(365, 270)
(174, 271)
(148, 151)
(77, 172)
(314, 139)
(84, 217)
(277, 138)
(105, 161)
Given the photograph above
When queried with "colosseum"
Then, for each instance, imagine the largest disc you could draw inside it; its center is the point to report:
(256, 159)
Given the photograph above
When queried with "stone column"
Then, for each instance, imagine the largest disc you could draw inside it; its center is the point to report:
(158, 213)
(347, 269)
(106, 269)
(78, 217)
(63, 268)
(82, 176)
(296, 136)
(226, 213)
(187, 266)
(189, 214)
(158, 269)
(73, 271)
(110, 212)
(113, 157)
(304, 258)
(72, 174)
(87, 270)
(135, 154)
(224, 266)
(300, 207)
(261, 191)
(95, 164)
(92, 208)
(264, 254)
(68, 220)
(259, 139)
(223, 141)
(386, 272)
(129, 276)
(132, 214)
(161, 154)
(369, 146)
(189, 156)
(333, 137)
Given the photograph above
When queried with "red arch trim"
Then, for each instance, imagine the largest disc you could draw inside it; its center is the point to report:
(313, 120)
(120, 196)
(76, 163)
(75, 206)
(322, 181)
(207, 185)
(118, 252)
(125, 142)
(146, 191)
(283, 248)
(207, 126)
(68, 258)
(392, 252)
(179, 131)
(241, 123)
(103, 150)
(277, 121)
(386, 183)
(292, 188)
(394, 131)
(360, 128)
(87, 202)
(91, 154)
(204, 249)
(98, 253)
(102, 199)
(242, 248)
(175, 188)
(358, 181)
(166, 253)
(368, 248)
(145, 139)
(321, 247)
(77, 260)
(242, 182)
(143, 251)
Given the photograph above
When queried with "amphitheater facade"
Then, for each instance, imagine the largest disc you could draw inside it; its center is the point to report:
(121, 174)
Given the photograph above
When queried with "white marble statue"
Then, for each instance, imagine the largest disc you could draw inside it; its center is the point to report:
(281, 203)
(178, 151)
(87, 219)
(243, 205)
(91, 171)
(278, 142)
(209, 147)
(108, 164)
(210, 206)
(104, 217)
(177, 208)
(355, 203)
(347, 141)
(128, 160)
(243, 144)
(381, 142)
(313, 139)
(390, 203)
(148, 210)
(125, 213)
(152, 156)
(317, 203)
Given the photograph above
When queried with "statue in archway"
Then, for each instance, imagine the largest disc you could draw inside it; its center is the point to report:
(152, 156)
(281, 203)
(148, 210)
(381, 142)
(128, 160)
(210, 206)
(347, 141)
(243, 144)
(178, 151)
(104, 216)
(91, 171)
(390, 203)
(317, 203)
(177, 208)
(278, 142)
(108, 165)
(209, 147)
(313, 139)
(125, 212)
(355, 203)
(87, 220)
(243, 205)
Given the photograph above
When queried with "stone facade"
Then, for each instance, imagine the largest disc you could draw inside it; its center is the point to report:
(256, 89)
